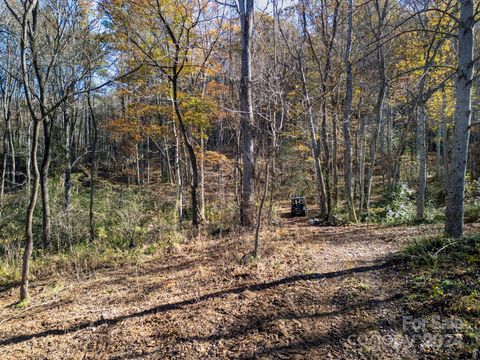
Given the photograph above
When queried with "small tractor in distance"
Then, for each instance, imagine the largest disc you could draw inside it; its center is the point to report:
(299, 207)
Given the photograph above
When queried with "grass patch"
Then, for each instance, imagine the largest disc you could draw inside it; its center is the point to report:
(84, 258)
(443, 278)
(440, 250)
(22, 304)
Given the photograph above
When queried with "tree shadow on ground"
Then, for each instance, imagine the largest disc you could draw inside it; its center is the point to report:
(181, 304)
(257, 322)
(8, 286)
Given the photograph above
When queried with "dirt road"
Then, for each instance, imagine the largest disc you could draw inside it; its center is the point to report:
(316, 293)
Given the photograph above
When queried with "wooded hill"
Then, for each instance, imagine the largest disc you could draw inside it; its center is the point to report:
(143, 124)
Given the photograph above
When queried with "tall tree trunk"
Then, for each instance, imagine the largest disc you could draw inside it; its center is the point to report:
(246, 115)
(178, 178)
(27, 254)
(376, 131)
(29, 158)
(93, 169)
(438, 152)
(389, 147)
(8, 147)
(314, 145)
(69, 158)
(422, 158)
(4, 172)
(202, 177)
(148, 160)
(382, 150)
(361, 161)
(137, 166)
(335, 152)
(347, 166)
(463, 112)
(191, 154)
(355, 165)
(11, 143)
(444, 137)
(44, 168)
(272, 190)
(381, 10)
(327, 160)
(260, 210)
(402, 146)
(171, 175)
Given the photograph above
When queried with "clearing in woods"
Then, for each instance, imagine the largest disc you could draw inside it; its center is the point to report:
(316, 293)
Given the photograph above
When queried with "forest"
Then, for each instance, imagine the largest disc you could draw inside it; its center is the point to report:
(239, 179)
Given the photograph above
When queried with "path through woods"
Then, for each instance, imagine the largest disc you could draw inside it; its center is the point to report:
(314, 289)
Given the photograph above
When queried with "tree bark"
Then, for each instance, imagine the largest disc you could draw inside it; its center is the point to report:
(335, 152)
(45, 194)
(346, 119)
(381, 13)
(314, 145)
(93, 170)
(444, 137)
(178, 178)
(246, 115)
(24, 294)
(463, 111)
(361, 161)
(4, 172)
(422, 158)
(260, 211)
(202, 176)
(69, 129)
(192, 156)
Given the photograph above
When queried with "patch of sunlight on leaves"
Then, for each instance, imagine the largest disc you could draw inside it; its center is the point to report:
(22, 304)
(470, 303)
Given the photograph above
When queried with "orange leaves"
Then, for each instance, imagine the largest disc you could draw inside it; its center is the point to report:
(129, 128)
(216, 160)
(122, 128)
(215, 89)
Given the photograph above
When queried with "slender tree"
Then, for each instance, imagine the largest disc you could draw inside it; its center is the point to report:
(247, 121)
(346, 118)
(463, 112)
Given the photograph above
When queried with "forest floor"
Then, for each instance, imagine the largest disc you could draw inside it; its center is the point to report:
(316, 293)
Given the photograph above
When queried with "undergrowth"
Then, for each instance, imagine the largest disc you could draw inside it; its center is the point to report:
(127, 224)
(444, 277)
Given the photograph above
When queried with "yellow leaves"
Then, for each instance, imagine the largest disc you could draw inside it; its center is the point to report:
(142, 109)
(302, 148)
(198, 111)
(439, 20)
(411, 56)
(422, 55)
(435, 103)
(154, 130)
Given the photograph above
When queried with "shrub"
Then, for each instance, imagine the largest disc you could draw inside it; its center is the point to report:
(221, 218)
(432, 251)
(472, 212)
(123, 218)
(436, 192)
(396, 206)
